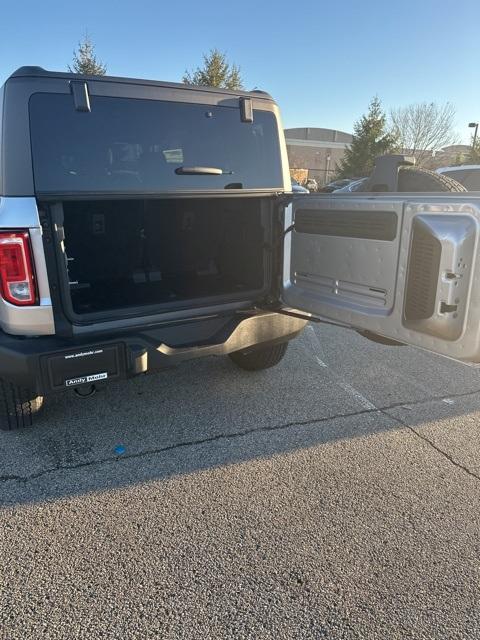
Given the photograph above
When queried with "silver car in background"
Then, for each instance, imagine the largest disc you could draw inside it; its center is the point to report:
(466, 174)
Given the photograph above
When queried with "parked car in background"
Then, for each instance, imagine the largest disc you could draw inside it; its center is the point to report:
(297, 187)
(335, 184)
(353, 185)
(466, 174)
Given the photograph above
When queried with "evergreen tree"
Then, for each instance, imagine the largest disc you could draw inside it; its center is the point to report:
(215, 72)
(85, 60)
(370, 139)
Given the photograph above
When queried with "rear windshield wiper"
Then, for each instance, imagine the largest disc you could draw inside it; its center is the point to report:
(201, 171)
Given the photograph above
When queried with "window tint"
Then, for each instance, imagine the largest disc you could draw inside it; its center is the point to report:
(470, 178)
(128, 145)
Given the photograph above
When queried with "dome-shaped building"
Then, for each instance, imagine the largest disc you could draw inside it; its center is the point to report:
(315, 152)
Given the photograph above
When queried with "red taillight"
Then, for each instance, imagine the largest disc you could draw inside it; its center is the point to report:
(16, 270)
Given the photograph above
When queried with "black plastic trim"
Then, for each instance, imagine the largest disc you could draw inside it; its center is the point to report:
(423, 270)
(81, 98)
(368, 225)
(39, 72)
(26, 362)
(246, 109)
(49, 196)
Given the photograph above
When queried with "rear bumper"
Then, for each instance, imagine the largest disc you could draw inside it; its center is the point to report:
(48, 364)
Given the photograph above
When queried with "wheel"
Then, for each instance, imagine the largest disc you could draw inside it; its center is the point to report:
(259, 358)
(17, 406)
(418, 179)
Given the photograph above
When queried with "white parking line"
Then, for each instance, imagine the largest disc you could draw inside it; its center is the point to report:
(316, 345)
(365, 402)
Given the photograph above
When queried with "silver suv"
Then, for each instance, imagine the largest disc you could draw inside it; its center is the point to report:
(144, 223)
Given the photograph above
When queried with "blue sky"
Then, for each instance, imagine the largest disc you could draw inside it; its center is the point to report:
(322, 61)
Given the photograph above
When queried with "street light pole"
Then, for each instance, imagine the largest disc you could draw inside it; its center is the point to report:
(474, 125)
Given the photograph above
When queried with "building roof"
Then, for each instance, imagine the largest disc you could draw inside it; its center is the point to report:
(318, 134)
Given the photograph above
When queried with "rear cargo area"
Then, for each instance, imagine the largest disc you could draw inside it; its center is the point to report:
(124, 254)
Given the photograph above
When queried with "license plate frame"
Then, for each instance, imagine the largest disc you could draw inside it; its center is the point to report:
(87, 365)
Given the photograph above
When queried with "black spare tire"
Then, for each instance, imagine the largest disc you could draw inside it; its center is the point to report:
(416, 179)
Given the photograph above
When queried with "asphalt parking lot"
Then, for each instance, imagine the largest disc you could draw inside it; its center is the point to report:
(335, 496)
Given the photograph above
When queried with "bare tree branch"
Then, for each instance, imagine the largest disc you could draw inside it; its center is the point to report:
(423, 128)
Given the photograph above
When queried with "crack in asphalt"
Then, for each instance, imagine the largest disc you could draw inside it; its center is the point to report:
(442, 452)
(246, 432)
(179, 445)
(383, 410)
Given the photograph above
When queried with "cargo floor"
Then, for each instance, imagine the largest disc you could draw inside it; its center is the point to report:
(124, 293)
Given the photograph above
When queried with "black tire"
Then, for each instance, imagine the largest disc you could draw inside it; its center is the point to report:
(418, 179)
(17, 407)
(259, 358)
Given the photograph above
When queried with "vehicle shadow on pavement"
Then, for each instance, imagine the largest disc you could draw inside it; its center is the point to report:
(333, 384)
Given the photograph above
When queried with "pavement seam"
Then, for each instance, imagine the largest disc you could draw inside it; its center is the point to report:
(239, 434)
(179, 445)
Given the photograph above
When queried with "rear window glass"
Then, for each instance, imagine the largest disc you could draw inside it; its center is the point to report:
(129, 145)
(470, 178)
